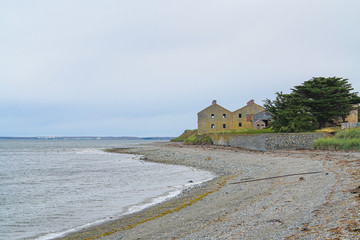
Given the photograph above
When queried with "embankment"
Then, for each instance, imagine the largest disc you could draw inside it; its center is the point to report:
(267, 141)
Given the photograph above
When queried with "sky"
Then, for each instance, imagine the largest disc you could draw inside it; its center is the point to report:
(145, 68)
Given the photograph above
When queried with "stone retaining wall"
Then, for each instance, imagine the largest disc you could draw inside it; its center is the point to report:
(268, 141)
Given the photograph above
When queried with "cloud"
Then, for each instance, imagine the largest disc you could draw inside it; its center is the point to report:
(163, 57)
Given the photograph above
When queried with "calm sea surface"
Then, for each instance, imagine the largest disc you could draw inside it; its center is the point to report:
(51, 187)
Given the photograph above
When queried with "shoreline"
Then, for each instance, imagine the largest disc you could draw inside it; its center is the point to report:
(186, 197)
(104, 222)
(290, 207)
(128, 221)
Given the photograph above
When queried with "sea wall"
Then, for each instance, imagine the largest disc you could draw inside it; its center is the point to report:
(268, 141)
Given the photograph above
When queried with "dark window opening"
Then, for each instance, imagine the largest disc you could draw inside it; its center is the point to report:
(224, 115)
(240, 124)
(239, 115)
(212, 116)
(224, 125)
(212, 125)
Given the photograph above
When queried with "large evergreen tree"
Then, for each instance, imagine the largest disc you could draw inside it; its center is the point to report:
(312, 104)
(288, 115)
(327, 98)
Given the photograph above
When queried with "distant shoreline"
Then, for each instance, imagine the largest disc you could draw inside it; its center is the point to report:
(87, 138)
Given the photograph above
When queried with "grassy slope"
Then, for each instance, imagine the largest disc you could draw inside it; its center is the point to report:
(192, 136)
(186, 134)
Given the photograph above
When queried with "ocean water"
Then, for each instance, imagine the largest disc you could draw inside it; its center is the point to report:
(52, 187)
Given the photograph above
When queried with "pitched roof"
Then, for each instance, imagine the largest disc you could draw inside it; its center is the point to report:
(249, 105)
(217, 105)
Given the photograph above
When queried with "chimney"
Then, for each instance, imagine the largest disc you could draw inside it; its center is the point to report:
(214, 102)
(251, 102)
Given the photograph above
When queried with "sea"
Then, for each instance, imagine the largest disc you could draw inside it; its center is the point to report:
(49, 188)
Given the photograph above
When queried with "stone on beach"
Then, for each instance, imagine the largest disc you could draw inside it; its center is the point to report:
(292, 207)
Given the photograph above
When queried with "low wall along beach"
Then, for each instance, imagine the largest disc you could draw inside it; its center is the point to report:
(268, 141)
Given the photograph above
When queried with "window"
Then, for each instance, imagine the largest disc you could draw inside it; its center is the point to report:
(212, 125)
(239, 115)
(224, 115)
(224, 125)
(212, 116)
(240, 124)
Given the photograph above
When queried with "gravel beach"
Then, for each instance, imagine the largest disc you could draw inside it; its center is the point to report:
(293, 194)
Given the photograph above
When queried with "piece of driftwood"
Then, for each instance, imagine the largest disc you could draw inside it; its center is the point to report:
(288, 175)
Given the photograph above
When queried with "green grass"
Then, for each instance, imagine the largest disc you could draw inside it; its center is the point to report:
(186, 134)
(199, 140)
(349, 133)
(337, 144)
(345, 140)
(192, 137)
(247, 131)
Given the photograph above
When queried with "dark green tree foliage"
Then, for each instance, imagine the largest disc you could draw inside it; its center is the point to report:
(327, 98)
(288, 115)
(312, 105)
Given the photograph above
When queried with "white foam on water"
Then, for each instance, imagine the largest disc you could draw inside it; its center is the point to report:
(132, 209)
(52, 188)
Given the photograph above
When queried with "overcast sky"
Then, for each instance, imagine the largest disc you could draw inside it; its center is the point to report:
(145, 68)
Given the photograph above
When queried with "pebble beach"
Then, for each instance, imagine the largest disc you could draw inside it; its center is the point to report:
(289, 194)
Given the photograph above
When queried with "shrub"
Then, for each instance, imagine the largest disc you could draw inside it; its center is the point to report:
(345, 140)
(349, 133)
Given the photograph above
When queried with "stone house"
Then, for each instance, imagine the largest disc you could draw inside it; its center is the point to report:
(261, 120)
(216, 118)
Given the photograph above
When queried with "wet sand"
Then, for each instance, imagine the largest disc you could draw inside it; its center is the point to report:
(277, 195)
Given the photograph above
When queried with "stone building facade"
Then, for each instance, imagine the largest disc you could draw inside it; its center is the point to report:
(215, 118)
(353, 117)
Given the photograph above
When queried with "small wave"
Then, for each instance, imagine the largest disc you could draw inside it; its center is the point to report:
(132, 209)
(60, 187)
